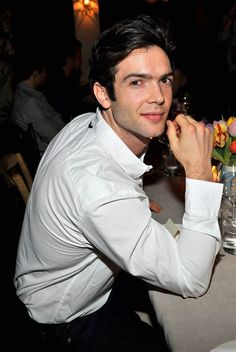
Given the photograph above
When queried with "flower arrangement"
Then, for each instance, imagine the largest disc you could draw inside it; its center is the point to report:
(224, 141)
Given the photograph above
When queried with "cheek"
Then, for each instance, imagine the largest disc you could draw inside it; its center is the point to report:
(133, 101)
(168, 93)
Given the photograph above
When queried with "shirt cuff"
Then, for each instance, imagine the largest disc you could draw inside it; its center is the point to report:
(201, 195)
(202, 204)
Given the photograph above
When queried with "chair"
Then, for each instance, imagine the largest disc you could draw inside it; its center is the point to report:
(15, 185)
(14, 139)
(15, 172)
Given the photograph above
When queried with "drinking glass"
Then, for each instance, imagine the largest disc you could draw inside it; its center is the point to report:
(171, 166)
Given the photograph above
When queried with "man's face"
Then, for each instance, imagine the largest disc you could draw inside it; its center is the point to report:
(143, 90)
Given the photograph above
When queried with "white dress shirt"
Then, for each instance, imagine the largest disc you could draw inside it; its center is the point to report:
(88, 216)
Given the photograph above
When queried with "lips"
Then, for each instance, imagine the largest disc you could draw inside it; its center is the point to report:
(153, 116)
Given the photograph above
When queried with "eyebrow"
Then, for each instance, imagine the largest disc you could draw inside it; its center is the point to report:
(146, 75)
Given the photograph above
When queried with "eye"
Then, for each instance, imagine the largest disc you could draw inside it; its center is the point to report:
(136, 83)
(167, 80)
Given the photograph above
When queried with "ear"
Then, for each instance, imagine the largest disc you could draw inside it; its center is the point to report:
(101, 95)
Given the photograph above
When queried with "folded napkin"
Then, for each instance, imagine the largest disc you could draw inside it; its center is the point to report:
(172, 227)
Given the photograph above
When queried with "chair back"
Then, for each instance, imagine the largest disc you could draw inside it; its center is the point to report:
(15, 172)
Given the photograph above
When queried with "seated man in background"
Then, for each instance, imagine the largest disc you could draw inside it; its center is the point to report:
(30, 105)
(88, 219)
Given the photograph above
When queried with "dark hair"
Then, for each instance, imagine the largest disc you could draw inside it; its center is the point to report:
(69, 50)
(118, 41)
(27, 62)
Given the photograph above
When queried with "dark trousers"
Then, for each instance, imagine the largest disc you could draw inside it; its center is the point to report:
(115, 327)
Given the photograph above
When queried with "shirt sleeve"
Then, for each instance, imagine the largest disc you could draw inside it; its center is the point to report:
(128, 235)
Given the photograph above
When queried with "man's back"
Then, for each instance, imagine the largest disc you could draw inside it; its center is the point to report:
(31, 107)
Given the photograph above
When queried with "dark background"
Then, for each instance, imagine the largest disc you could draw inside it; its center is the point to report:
(49, 25)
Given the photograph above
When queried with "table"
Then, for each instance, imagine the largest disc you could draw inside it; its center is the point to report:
(190, 324)
(168, 192)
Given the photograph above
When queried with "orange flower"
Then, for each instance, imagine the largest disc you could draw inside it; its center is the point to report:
(220, 135)
(224, 140)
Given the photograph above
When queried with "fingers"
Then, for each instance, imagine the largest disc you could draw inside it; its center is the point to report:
(185, 125)
(182, 120)
(185, 121)
(172, 132)
(154, 206)
(191, 142)
(174, 128)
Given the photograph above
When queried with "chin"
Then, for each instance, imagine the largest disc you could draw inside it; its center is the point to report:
(157, 134)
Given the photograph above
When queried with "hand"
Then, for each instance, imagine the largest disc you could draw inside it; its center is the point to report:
(154, 206)
(191, 143)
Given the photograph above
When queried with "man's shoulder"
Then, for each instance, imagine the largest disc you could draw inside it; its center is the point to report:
(83, 120)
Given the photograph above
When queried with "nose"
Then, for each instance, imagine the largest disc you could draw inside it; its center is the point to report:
(156, 94)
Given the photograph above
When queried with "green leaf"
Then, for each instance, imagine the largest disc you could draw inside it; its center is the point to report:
(216, 154)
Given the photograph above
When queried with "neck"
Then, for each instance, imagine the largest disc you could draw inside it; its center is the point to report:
(29, 82)
(136, 143)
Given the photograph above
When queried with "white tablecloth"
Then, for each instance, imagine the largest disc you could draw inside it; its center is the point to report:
(168, 192)
(193, 325)
(199, 325)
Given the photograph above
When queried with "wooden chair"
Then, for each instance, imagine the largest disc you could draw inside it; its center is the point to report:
(15, 172)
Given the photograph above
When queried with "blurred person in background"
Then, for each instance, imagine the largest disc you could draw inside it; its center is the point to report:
(30, 106)
(227, 39)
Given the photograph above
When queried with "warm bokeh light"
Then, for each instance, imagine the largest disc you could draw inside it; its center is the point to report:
(215, 174)
(153, 1)
(85, 7)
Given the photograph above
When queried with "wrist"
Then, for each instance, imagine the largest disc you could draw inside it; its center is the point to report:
(198, 173)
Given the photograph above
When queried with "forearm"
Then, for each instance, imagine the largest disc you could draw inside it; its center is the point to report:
(200, 238)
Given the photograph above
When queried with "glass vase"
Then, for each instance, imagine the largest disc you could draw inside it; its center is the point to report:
(228, 209)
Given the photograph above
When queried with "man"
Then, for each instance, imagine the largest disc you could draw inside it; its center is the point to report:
(88, 217)
(30, 106)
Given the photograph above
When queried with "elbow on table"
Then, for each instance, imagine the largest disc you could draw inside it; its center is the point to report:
(195, 289)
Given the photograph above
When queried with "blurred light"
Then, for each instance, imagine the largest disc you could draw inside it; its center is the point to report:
(153, 1)
(85, 7)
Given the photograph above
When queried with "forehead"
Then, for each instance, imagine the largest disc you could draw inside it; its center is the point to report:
(145, 60)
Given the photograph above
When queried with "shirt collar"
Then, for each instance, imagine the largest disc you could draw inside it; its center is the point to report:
(29, 90)
(126, 159)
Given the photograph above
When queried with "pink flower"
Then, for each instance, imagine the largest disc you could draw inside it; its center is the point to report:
(232, 129)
